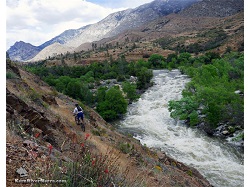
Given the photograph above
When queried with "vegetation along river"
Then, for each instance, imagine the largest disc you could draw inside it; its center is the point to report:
(149, 121)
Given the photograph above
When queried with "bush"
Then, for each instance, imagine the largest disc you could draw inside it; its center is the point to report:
(11, 75)
(125, 147)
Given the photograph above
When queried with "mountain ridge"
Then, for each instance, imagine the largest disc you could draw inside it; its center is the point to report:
(119, 22)
(111, 25)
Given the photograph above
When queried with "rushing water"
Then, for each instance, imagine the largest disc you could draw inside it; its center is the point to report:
(149, 120)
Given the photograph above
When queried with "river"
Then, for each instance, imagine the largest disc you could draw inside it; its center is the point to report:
(149, 121)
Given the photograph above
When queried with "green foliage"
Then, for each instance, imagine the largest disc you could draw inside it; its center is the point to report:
(11, 75)
(157, 61)
(144, 76)
(130, 90)
(212, 88)
(98, 131)
(91, 170)
(186, 108)
(239, 137)
(113, 105)
(34, 96)
(73, 89)
(88, 77)
(101, 92)
(125, 147)
(76, 82)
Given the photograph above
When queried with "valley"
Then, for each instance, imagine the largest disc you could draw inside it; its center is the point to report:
(162, 89)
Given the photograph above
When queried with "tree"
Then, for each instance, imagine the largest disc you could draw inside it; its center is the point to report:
(144, 76)
(156, 60)
(186, 108)
(101, 92)
(113, 106)
(74, 89)
(130, 90)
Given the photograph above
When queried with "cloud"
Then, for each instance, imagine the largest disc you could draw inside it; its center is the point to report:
(120, 4)
(36, 21)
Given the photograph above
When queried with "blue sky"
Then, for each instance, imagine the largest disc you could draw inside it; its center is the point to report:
(37, 21)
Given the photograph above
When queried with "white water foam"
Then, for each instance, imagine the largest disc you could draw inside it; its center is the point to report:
(150, 120)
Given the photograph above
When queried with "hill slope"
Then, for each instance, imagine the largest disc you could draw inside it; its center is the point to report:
(41, 133)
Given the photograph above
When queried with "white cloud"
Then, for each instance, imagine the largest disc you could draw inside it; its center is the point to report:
(36, 21)
(120, 4)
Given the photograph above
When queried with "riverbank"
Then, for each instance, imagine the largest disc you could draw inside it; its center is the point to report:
(149, 121)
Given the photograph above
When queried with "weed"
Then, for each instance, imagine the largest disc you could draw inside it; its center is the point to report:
(190, 173)
(99, 131)
(125, 147)
(11, 75)
(33, 95)
(92, 170)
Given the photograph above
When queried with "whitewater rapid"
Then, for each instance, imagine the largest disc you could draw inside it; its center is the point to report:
(149, 121)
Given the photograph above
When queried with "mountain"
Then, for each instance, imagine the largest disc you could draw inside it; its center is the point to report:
(213, 8)
(176, 32)
(166, 35)
(110, 26)
(22, 51)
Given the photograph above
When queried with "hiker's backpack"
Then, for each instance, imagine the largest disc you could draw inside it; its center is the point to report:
(79, 109)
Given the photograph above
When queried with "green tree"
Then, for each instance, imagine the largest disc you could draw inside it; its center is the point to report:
(74, 89)
(101, 92)
(186, 108)
(213, 86)
(130, 90)
(113, 106)
(144, 76)
(157, 60)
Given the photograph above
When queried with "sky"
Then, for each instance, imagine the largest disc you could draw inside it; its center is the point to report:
(37, 21)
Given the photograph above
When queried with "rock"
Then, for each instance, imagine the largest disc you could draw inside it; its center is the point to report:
(225, 133)
(49, 99)
(237, 92)
(206, 128)
(66, 159)
(22, 172)
(32, 145)
(161, 155)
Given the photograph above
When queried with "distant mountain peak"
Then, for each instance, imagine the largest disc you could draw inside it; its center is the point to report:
(122, 21)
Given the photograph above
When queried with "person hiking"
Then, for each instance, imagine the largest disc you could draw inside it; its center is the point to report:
(78, 112)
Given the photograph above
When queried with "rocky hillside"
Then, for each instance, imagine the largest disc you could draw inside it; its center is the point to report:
(44, 142)
(214, 8)
(164, 36)
(110, 26)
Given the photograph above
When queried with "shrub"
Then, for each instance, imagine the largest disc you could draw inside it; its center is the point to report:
(92, 170)
(11, 75)
(125, 147)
